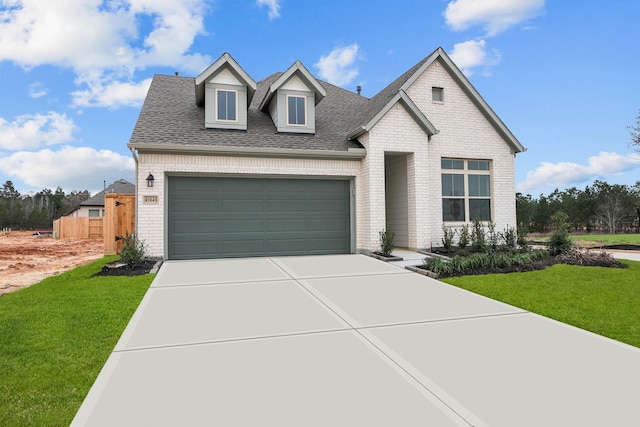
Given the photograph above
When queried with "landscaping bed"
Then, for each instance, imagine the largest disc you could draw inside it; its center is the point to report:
(122, 269)
(586, 259)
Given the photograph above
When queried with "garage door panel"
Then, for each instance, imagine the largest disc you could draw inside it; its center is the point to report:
(203, 226)
(288, 246)
(326, 245)
(242, 225)
(279, 186)
(188, 250)
(251, 247)
(194, 205)
(239, 205)
(238, 185)
(286, 225)
(326, 225)
(213, 217)
(329, 205)
(287, 206)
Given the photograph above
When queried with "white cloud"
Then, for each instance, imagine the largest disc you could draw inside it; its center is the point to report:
(111, 95)
(473, 54)
(564, 174)
(272, 5)
(36, 90)
(337, 67)
(72, 168)
(110, 38)
(494, 16)
(36, 130)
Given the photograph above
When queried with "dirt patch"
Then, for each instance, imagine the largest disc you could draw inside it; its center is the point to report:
(26, 259)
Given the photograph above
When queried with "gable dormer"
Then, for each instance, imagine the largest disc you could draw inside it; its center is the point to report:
(226, 91)
(291, 100)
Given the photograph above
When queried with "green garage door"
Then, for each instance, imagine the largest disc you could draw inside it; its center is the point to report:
(239, 217)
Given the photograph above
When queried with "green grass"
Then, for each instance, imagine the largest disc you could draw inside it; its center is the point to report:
(602, 239)
(598, 299)
(55, 336)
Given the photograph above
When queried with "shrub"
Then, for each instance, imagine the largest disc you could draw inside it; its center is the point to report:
(461, 264)
(463, 242)
(133, 251)
(447, 237)
(493, 236)
(560, 243)
(509, 237)
(522, 238)
(478, 243)
(386, 242)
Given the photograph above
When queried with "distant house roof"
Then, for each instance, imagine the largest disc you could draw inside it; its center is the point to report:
(171, 119)
(121, 186)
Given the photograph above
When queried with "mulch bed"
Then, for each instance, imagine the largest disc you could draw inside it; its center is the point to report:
(119, 269)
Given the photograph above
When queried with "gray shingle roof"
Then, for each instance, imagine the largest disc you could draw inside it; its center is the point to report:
(170, 115)
(122, 186)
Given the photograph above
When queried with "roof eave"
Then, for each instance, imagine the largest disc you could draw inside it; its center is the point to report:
(350, 154)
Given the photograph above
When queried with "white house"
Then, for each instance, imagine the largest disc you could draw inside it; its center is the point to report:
(292, 165)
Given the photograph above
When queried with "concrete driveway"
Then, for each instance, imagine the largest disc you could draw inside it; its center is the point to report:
(346, 340)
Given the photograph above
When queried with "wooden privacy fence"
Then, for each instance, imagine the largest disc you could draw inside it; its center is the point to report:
(78, 228)
(119, 220)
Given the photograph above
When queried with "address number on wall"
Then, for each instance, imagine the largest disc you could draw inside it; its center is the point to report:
(150, 200)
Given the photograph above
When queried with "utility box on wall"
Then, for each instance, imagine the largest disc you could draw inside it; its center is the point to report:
(119, 220)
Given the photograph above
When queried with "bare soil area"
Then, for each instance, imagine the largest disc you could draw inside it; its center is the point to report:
(26, 259)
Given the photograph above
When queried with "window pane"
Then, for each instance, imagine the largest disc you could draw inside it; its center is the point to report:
(452, 164)
(437, 94)
(296, 110)
(226, 105)
(231, 105)
(480, 209)
(452, 209)
(479, 186)
(94, 212)
(478, 165)
(452, 184)
(222, 105)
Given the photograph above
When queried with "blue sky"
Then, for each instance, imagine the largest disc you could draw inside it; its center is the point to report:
(563, 76)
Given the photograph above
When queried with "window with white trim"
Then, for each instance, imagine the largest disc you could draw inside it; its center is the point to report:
(296, 110)
(226, 105)
(94, 213)
(466, 190)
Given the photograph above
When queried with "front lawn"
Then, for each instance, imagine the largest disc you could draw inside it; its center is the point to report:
(55, 336)
(599, 299)
(589, 240)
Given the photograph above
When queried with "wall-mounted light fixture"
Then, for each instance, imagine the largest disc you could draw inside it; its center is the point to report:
(150, 180)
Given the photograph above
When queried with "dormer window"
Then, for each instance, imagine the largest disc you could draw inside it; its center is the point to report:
(225, 90)
(227, 106)
(291, 100)
(296, 114)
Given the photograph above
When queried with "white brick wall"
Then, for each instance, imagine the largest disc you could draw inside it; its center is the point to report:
(464, 133)
(395, 133)
(151, 218)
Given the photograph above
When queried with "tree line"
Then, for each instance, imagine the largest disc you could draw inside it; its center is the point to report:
(601, 207)
(31, 211)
